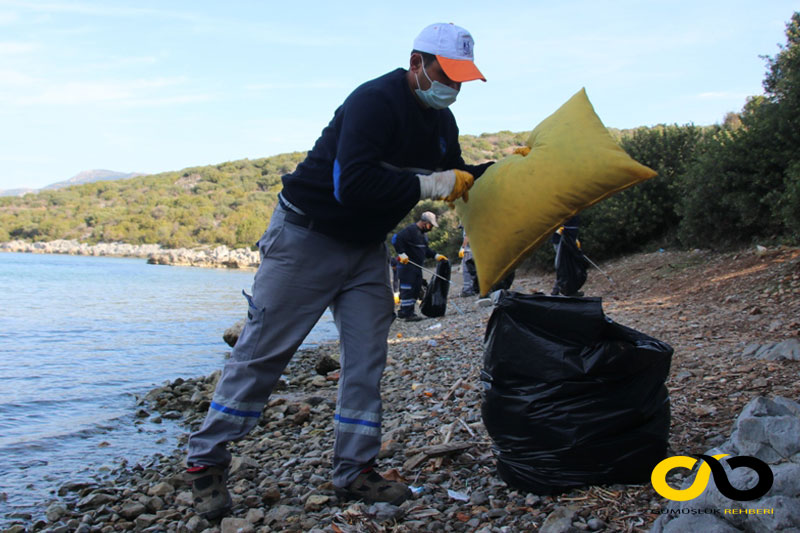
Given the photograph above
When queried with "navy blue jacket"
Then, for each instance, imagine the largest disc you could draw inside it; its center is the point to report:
(412, 242)
(344, 183)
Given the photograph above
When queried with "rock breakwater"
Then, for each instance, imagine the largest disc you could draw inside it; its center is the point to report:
(216, 257)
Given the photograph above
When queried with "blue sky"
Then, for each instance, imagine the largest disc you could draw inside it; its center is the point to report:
(152, 86)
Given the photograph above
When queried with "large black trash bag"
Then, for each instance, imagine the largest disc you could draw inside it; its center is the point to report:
(434, 303)
(571, 266)
(572, 398)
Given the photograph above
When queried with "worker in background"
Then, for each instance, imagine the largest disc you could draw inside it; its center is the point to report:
(411, 245)
(468, 271)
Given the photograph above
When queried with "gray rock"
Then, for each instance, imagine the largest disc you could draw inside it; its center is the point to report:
(145, 520)
(497, 513)
(560, 521)
(478, 498)
(315, 502)
(161, 489)
(196, 523)
(242, 462)
(774, 351)
(95, 500)
(382, 512)
(786, 515)
(254, 515)
(703, 522)
(595, 524)
(768, 429)
(231, 334)
(326, 364)
(280, 513)
(55, 511)
(130, 511)
(236, 525)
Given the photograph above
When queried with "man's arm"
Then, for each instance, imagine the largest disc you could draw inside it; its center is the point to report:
(399, 242)
(367, 131)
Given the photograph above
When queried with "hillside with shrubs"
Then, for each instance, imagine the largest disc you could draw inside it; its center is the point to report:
(718, 186)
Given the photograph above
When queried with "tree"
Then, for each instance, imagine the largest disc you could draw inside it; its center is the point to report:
(745, 185)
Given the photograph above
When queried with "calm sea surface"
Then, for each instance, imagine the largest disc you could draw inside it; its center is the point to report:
(80, 338)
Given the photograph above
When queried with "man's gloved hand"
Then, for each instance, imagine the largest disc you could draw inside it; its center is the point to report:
(464, 182)
(440, 257)
(447, 185)
(522, 150)
(403, 259)
(461, 253)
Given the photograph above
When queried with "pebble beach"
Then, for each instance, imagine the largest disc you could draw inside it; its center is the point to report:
(433, 435)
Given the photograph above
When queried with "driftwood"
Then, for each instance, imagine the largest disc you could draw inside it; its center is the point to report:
(420, 455)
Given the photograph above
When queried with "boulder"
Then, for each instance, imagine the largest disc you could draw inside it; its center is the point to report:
(231, 334)
(774, 351)
(766, 429)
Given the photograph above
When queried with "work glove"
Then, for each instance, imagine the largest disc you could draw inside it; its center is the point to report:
(403, 259)
(461, 253)
(440, 257)
(447, 185)
(522, 150)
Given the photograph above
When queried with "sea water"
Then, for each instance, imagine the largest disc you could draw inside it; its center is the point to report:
(81, 338)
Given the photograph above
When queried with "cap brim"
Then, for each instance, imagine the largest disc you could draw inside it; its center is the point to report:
(460, 70)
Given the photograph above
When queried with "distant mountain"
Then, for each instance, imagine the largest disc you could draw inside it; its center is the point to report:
(87, 176)
(16, 192)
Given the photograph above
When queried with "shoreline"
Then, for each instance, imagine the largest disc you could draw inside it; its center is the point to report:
(203, 256)
(280, 477)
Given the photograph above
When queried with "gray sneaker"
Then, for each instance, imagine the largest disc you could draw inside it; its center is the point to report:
(371, 487)
(209, 490)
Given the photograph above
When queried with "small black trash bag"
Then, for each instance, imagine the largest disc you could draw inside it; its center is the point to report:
(434, 303)
(572, 398)
(571, 266)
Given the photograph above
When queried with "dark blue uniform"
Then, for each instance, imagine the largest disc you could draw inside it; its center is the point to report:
(412, 242)
(355, 183)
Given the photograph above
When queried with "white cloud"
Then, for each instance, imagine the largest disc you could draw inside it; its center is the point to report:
(270, 86)
(722, 95)
(7, 18)
(16, 48)
(95, 9)
(12, 77)
(140, 92)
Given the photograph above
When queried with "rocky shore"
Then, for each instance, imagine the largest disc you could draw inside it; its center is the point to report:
(216, 257)
(732, 319)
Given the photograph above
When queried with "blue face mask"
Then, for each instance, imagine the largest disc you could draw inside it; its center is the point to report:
(439, 96)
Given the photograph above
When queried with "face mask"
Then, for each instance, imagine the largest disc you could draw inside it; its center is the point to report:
(439, 96)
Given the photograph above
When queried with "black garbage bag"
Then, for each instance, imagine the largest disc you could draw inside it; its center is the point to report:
(434, 303)
(571, 266)
(571, 398)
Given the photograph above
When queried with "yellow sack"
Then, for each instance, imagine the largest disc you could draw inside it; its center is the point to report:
(521, 200)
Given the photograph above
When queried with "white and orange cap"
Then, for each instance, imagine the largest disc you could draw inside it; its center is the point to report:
(453, 48)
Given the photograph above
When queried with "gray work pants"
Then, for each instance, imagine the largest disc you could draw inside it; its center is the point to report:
(302, 272)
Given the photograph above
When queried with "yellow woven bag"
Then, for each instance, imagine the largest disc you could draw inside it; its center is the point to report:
(521, 200)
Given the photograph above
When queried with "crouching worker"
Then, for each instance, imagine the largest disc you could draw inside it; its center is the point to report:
(325, 247)
(411, 244)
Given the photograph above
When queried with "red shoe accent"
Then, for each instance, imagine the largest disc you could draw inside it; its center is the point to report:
(196, 469)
